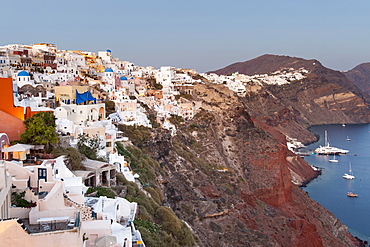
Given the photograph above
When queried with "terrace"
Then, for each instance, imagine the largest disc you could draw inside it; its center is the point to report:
(49, 224)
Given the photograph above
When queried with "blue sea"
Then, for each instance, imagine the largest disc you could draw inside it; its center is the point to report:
(330, 189)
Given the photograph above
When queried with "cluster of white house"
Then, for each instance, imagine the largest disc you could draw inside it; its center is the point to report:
(40, 72)
(61, 215)
(239, 82)
(74, 86)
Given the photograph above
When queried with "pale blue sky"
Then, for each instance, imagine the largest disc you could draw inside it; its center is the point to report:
(203, 35)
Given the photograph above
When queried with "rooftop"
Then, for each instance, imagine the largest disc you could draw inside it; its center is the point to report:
(23, 73)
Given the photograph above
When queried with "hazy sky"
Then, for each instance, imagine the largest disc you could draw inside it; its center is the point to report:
(203, 35)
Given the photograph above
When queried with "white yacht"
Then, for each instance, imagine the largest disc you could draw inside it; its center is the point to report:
(327, 149)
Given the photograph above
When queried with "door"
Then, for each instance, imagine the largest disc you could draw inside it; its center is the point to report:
(42, 174)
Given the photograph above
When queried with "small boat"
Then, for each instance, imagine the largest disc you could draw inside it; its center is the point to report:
(349, 175)
(343, 125)
(351, 194)
(333, 160)
(348, 139)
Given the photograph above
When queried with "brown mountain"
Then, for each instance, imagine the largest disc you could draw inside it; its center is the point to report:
(267, 63)
(325, 96)
(360, 76)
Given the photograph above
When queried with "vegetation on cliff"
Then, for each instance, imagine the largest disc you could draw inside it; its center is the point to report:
(158, 224)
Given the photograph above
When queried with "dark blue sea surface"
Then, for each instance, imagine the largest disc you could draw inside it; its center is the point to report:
(330, 189)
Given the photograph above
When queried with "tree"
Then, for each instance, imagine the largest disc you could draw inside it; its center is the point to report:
(152, 82)
(110, 107)
(89, 146)
(40, 130)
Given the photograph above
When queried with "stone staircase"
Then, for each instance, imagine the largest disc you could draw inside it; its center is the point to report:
(86, 212)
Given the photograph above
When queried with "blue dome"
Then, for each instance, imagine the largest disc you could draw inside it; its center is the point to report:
(123, 78)
(108, 50)
(108, 70)
(23, 73)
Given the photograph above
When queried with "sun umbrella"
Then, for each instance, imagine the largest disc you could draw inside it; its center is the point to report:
(17, 148)
(105, 241)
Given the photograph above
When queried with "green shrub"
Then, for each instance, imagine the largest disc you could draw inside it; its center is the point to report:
(73, 155)
(156, 197)
(18, 200)
(169, 221)
(157, 239)
(150, 226)
(137, 134)
(102, 191)
(185, 236)
(176, 120)
(120, 179)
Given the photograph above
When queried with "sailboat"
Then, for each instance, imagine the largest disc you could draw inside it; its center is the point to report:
(327, 149)
(349, 174)
(333, 160)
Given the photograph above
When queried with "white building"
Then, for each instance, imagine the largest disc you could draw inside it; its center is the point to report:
(121, 213)
(80, 114)
(106, 56)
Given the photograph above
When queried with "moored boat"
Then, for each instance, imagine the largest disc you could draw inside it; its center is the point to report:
(328, 150)
(333, 160)
(349, 175)
(351, 194)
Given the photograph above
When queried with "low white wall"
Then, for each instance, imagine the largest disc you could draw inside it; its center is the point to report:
(18, 212)
(67, 212)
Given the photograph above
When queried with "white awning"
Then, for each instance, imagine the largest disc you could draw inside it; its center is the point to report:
(17, 148)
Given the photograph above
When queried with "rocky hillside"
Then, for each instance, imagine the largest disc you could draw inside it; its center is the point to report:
(324, 96)
(228, 172)
(232, 179)
(360, 76)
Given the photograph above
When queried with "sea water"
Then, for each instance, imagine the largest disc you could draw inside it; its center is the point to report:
(330, 189)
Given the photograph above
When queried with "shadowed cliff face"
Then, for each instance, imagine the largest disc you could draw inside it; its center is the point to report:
(229, 175)
(360, 76)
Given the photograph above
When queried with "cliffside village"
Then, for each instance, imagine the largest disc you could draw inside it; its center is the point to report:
(74, 85)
